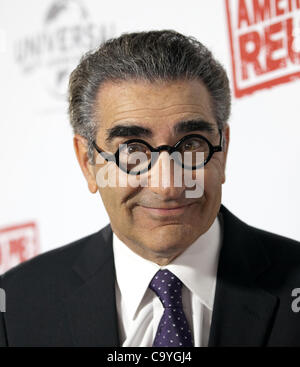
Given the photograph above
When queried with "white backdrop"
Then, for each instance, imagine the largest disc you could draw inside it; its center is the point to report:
(41, 182)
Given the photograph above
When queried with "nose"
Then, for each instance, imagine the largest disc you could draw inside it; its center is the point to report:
(166, 178)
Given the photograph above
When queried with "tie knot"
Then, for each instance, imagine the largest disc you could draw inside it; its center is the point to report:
(167, 287)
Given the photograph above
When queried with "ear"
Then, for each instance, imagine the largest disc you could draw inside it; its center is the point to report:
(226, 132)
(81, 150)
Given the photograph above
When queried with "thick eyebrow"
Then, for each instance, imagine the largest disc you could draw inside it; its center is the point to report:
(127, 130)
(193, 125)
(143, 132)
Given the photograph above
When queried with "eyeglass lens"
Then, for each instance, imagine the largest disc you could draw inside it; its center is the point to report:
(136, 156)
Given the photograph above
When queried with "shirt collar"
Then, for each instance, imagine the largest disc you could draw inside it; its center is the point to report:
(196, 267)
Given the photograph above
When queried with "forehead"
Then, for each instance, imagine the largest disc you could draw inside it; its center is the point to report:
(147, 103)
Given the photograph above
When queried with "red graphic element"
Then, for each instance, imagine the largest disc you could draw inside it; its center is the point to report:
(17, 244)
(265, 43)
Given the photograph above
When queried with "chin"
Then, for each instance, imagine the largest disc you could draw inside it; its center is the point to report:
(170, 238)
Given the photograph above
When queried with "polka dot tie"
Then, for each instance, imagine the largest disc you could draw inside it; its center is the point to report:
(173, 329)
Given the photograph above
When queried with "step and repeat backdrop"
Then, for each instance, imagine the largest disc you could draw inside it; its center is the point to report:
(44, 199)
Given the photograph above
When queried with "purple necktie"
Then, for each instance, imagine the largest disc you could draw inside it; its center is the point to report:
(173, 329)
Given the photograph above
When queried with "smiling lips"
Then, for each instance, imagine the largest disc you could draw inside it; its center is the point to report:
(167, 211)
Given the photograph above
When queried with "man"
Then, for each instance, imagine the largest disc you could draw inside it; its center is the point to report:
(174, 267)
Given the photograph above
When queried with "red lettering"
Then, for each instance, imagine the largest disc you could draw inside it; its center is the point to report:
(261, 10)
(250, 56)
(272, 46)
(293, 55)
(243, 15)
(294, 5)
(278, 9)
(17, 246)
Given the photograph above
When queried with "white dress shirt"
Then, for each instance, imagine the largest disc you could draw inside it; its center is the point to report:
(140, 310)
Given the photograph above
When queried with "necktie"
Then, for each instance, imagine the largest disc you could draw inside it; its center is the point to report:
(173, 329)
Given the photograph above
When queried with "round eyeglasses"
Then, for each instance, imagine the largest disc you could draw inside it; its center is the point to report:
(136, 156)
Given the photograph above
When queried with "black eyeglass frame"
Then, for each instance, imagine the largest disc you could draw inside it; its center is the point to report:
(170, 149)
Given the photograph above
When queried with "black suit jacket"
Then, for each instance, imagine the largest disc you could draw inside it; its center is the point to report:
(66, 297)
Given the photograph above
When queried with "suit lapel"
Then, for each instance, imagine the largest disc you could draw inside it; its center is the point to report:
(91, 308)
(243, 311)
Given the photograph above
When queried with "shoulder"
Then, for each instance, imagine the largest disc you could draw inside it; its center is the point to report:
(282, 254)
(277, 244)
(44, 271)
(36, 291)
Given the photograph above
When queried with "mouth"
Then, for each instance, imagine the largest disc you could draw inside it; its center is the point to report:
(167, 212)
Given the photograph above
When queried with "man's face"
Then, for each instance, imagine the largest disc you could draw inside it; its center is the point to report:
(142, 216)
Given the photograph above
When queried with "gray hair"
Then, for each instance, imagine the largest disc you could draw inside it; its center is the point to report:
(153, 56)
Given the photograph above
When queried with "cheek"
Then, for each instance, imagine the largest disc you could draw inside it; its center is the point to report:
(109, 198)
(115, 192)
(213, 178)
(114, 200)
(109, 175)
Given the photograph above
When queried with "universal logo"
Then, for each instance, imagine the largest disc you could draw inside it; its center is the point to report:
(67, 33)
